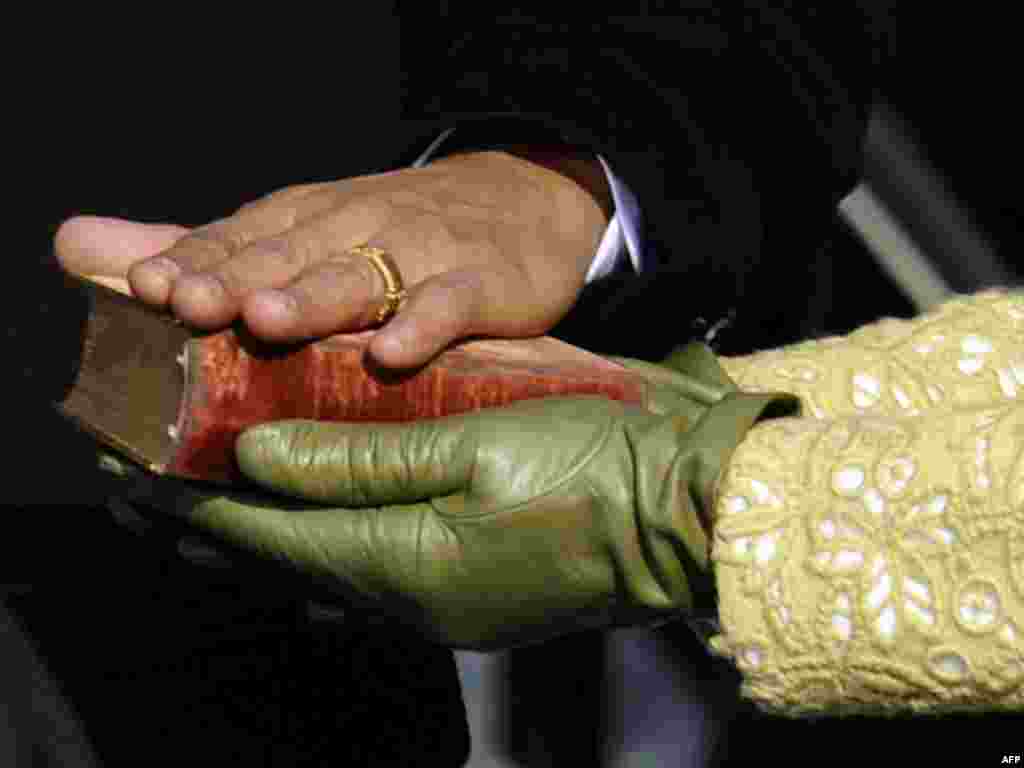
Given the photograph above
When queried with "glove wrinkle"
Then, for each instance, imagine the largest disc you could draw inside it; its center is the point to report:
(506, 526)
(709, 381)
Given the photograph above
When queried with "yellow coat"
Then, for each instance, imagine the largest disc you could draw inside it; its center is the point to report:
(871, 558)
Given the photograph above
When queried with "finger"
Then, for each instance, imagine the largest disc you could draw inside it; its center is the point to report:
(456, 305)
(108, 247)
(155, 279)
(366, 553)
(360, 464)
(437, 312)
(484, 299)
(340, 294)
(215, 295)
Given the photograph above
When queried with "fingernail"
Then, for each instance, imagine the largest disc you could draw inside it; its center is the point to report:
(392, 342)
(162, 268)
(278, 303)
(207, 286)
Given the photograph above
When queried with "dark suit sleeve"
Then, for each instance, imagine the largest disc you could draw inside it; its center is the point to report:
(739, 129)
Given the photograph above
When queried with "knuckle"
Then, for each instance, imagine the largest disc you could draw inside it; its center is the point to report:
(282, 250)
(284, 195)
(364, 212)
(253, 205)
(353, 269)
(467, 289)
(210, 241)
(298, 191)
(287, 194)
(421, 198)
(233, 283)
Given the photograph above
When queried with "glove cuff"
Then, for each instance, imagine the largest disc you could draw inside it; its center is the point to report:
(678, 533)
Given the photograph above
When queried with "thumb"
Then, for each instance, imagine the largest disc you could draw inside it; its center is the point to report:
(361, 464)
(107, 247)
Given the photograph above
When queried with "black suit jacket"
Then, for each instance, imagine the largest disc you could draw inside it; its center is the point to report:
(738, 126)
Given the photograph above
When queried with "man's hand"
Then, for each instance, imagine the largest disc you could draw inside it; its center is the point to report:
(488, 244)
(501, 527)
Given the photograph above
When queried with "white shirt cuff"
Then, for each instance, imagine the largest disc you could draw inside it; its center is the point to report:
(622, 239)
(624, 236)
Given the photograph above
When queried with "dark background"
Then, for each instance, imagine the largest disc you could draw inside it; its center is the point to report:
(167, 662)
(185, 128)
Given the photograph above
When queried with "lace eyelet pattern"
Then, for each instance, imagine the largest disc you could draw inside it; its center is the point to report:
(967, 352)
(872, 560)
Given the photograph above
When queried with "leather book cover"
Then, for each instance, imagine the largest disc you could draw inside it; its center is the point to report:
(175, 400)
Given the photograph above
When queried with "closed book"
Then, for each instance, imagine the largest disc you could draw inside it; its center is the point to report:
(174, 400)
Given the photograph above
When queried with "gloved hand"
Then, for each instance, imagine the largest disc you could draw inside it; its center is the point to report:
(505, 526)
(694, 373)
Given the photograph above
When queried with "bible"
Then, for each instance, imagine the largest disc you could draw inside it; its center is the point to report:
(174, 400)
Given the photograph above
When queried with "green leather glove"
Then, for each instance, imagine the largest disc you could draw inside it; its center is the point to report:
(505, 526)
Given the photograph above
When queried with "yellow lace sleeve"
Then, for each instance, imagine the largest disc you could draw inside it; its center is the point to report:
(874, 564)
(968, 352)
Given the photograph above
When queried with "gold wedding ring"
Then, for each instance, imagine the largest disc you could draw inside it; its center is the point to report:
(395, 293)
